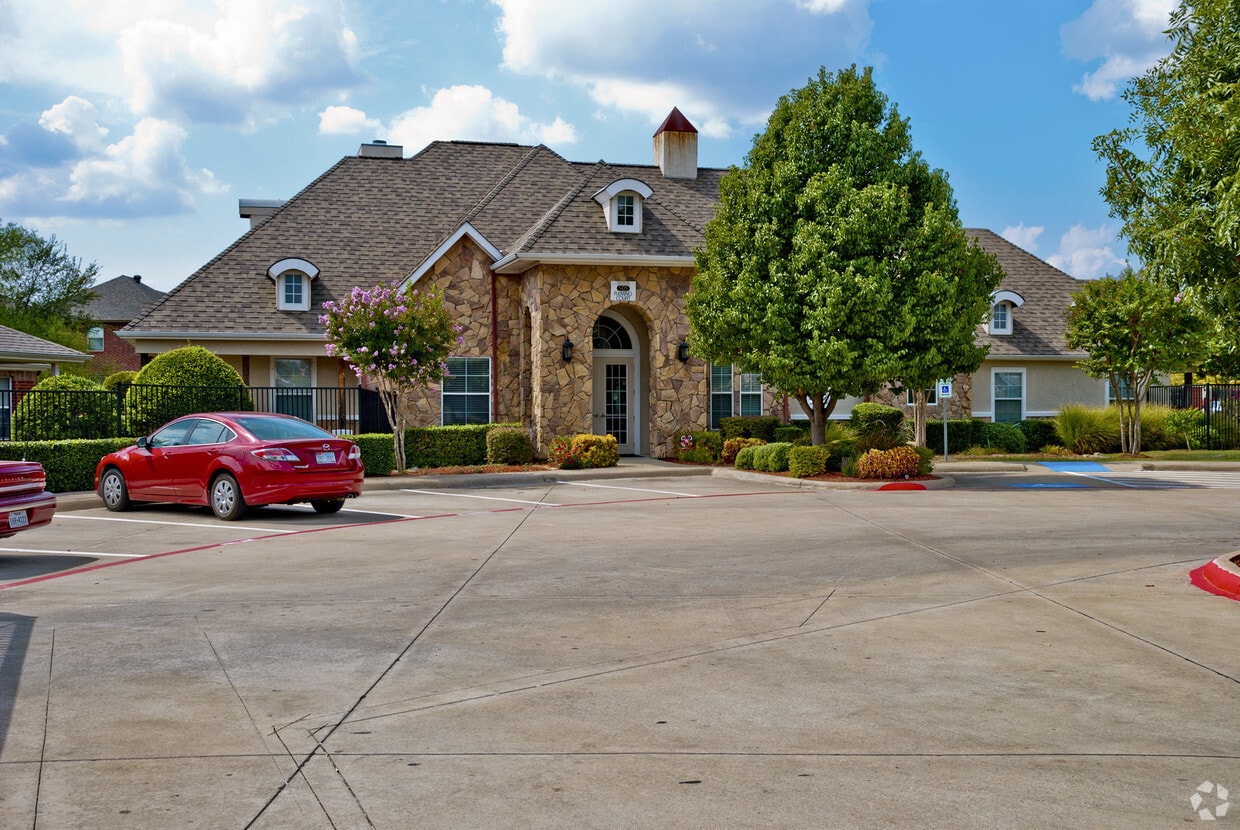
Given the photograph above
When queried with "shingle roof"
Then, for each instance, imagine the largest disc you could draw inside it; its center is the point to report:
(19, 346)
(1038, 325)
(121, 299)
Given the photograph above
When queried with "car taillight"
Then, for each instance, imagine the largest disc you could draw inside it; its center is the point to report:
(275, 454)
(355, 453)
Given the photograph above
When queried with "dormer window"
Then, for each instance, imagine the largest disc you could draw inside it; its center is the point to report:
(1001, 312)
(622, 204)
(292, 278)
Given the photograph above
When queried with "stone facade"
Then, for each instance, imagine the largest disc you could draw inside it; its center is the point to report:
(959, 405)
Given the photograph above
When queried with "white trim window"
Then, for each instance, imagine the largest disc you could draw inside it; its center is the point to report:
(1001, 311)
(94, 339)
(720, 393)
(1007, 395)
(465, 396)
(932, 396)
(292, 278)
(751, 393)
(622, 204)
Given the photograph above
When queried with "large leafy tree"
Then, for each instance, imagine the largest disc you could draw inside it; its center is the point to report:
(1134, 327)
(1173, 175)
(43, 290)
(400, 338)
(836, 262)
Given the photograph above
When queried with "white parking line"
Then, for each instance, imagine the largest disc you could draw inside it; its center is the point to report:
(381, 513)
(60, 516)
(76, 553)
(485, 498)
(633, 489)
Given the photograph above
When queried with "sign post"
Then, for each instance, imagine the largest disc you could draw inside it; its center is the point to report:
(945, 392)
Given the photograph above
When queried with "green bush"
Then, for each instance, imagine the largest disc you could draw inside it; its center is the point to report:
(1086, 430)
(868, 417)
(900, 462)
(961, 434)
(791, 433)
(1006, 438)
(115, 379)
(1186, 428)
(1154, 432)
(698, 447)
(1038, 433)
(378, 454)
(839, 438)
(509, 445)
(732, 446)
(772, 458)
(73, 407)
(189, 379)
(804, 462)
(745, 457)
(458, 445)
(925, 464)
(70, 465)
(584, 451)
(749, 426)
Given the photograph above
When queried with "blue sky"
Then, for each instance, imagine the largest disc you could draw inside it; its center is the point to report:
(130, 128)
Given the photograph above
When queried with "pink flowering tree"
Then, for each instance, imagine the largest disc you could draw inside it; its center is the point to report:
(399, 338)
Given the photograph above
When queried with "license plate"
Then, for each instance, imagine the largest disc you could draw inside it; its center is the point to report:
(325, 457)
(18, 518)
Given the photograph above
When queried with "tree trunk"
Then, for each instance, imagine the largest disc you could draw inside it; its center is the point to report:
(818, 408)
(919, 417)
(396, 417)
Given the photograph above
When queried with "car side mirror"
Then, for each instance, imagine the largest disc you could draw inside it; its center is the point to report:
(143, 443)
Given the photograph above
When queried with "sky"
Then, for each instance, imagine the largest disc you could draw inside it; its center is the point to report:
(130, 128)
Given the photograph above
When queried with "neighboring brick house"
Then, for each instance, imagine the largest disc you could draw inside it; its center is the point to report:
(569, 279)
(22, 357)
(115, 304)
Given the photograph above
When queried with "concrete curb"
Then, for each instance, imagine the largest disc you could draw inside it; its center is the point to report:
(1220, 577)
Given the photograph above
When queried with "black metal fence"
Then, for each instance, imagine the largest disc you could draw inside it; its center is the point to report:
(138, 409)
(1218, 405)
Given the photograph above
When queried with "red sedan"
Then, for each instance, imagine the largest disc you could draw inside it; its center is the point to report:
(233, 460)
(24, 500)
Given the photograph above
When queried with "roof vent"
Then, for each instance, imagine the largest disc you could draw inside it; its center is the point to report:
(378, 149)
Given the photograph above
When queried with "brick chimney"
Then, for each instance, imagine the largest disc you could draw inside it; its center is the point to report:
(675, 147)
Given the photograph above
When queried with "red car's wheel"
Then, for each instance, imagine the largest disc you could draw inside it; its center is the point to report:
(327, 505)
(226, 498)
(113, 490)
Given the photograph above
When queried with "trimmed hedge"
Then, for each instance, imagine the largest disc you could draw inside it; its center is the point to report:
(804, 462)
(584, 451)
(70, 465)
(509, 445)
(74, 407)
(791, 433)
(749, 426)
(461, 445)
(772, 458)
(961, 434)
(745, 457)
(378, 454)
(193, 379)
(1038, 433)
(869, 417)
(732, 446)
(1006, 437)
(901, 462)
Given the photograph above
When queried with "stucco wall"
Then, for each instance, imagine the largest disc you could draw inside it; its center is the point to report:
(1048, 386)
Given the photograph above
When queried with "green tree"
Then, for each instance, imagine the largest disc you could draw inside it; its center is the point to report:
(400, 338)
(43, 290)
(1173, 175)
(1133, 327)
(836, 262)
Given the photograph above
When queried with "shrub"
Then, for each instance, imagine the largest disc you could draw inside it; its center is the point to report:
(698, 447)
(791, 433)
(116, 379)
(509, 445)
(73, 407)
(925, 457)
(70, 465)
(868, 417)
(457, 445)
(732, 446)
(745, 457)
(1186, 427)
(961, 434)
(749, 426)
(880, 438)
(191, 379)
(1154, 434)
(1086, 430)
(804, 462)
(901, 462)
(584, 451)
(772, 458)
(378, 454)
(1038, 433)
(1007, 438)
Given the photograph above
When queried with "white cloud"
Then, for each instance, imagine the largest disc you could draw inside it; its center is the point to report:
(1023, 236)
(1126, 35)
(345, 121)
(730, 58)
(474, 113)
(77, 118)
(1088, 253)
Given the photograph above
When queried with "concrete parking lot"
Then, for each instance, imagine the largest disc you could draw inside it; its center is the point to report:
(624, 651)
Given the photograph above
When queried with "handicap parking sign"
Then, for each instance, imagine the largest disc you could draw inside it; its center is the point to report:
(945, 389)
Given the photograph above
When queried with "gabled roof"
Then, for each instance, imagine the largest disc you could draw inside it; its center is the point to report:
(121, 299)
(371, 220)
(1038, 324)
(17, 346)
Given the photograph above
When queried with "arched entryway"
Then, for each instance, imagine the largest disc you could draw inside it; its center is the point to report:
(619, 378)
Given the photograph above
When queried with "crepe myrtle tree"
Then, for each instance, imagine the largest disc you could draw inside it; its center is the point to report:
(1134, 327)
(836, 262)
(398, 337)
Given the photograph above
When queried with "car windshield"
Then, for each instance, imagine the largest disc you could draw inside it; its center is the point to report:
(282, 429)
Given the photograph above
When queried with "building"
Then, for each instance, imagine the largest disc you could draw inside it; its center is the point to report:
(115, 304)
(22, 357)
(569, 279)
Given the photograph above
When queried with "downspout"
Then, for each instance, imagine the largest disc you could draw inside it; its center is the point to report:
(494, 346)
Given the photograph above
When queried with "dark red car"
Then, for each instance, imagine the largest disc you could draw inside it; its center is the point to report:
(24, 500)
(233, 460)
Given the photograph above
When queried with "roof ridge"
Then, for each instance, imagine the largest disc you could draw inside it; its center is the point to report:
(539, 228)
(503, 182)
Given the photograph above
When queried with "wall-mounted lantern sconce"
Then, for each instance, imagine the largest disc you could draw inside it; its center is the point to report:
(682, 352)
(566, 351)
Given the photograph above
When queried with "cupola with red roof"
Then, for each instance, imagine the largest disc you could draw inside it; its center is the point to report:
(675, 147)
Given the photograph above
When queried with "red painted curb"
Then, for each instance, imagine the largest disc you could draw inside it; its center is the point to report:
(903, 485)
(1218, 577)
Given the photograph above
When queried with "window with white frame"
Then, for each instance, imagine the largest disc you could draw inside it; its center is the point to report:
(720, 393)
(94, 338)
(1009, 396)
(751, 393)
(1001, 318)
(292, 278)
(466, 395)
(624, 210)
(932, 396)
(622, 204)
